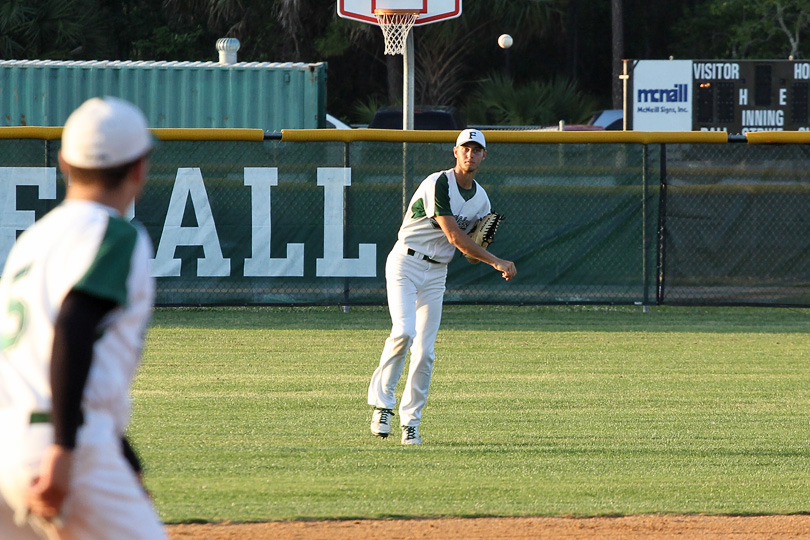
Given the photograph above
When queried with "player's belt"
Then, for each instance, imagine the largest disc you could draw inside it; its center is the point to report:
(413, 253)
(40, 417)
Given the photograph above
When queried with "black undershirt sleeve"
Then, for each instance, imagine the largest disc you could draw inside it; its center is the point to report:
(131, 456)
(75, 332)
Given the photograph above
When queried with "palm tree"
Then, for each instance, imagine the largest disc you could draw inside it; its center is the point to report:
(443, 48)
(499, 100)
(53, 29)
(304, 30)
(226, 15)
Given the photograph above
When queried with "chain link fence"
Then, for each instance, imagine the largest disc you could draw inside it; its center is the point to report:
(734, 227)
(310, 222)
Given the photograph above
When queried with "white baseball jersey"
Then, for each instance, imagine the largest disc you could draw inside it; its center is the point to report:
(88, 247)
(439, 195)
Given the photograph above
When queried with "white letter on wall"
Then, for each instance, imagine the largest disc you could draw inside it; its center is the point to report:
(261, 180)
(189, 181)
(334, 180)
(11, 219)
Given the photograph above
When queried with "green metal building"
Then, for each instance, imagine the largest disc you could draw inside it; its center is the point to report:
(263, 95)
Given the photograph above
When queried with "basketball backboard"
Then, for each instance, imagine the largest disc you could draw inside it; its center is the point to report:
(430, 11)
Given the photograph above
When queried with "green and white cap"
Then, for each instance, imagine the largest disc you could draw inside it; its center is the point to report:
(471, 135)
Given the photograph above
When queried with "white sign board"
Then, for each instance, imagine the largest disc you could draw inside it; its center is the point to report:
(662, 95)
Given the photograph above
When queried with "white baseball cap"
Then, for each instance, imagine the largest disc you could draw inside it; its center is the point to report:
(103, 133)
(471, 135)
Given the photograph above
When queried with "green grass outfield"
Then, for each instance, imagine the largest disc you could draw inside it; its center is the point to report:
(259, 414)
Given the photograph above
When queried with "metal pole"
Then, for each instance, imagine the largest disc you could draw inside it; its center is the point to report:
(645, 171)
(662, 227)
(407, 111)
(346, 201)
(408, 83)
(624, 76)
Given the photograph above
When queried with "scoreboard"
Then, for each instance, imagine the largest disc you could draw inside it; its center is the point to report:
(718, 95)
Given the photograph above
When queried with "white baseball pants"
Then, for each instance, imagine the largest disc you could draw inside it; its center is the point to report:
(415, 289)
(106, 499)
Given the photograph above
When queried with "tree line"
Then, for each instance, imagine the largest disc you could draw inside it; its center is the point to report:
(560, 67)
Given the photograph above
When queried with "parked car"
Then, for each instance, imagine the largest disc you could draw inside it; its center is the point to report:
(607, 120)
(610, 119)
(424, 117)
(570, 127)
(334, 123)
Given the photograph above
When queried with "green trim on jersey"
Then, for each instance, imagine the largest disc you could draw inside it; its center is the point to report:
(467, 194)
(21, 273)
(107, 276)
(17, 309)
(418, 209)
(443, 196)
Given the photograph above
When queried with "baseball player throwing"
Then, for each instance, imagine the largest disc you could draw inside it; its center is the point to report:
(75, 299)
(444, 208)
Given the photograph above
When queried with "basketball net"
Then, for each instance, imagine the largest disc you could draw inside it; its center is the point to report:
(395, 27)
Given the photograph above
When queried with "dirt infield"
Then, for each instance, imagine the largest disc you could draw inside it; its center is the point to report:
(608, 528)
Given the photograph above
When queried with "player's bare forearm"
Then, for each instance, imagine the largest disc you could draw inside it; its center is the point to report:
(462, 242)
(468, 247)
(471, 249)
(506, 268)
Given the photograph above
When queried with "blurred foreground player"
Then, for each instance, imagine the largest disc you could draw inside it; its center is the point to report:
(75, 299)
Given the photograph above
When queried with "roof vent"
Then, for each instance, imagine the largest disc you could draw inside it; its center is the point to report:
(227, 48)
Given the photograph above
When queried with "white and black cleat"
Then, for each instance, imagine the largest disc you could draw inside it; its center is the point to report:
(381, 422)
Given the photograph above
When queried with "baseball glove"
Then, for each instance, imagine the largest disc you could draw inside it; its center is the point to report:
(483, 232)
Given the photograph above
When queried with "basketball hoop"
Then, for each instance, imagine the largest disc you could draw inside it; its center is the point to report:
(395, 26)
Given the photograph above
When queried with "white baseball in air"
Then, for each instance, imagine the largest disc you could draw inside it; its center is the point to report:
(505, 41)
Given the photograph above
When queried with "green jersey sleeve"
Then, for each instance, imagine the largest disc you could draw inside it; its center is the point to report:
(107, 275)
(443, 196)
